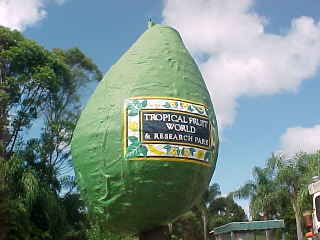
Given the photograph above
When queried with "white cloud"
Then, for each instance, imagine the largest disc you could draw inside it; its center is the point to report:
(241, 58)
(19, 14)
(299, 139)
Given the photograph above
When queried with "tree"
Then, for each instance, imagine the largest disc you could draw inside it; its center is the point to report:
(206, 200)
(261, 193)
(39, 85)
(211, 194)
(285, 212)
(96, 230)
(28, 73)
(293, 176)
(211, 211)
(194, 223)
(63, 107)
(284, 180)
(189, 226)
(225, 210)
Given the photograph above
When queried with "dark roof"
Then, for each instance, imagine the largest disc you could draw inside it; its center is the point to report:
(249, 226)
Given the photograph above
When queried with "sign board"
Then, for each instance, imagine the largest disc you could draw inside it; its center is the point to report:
(167, 129)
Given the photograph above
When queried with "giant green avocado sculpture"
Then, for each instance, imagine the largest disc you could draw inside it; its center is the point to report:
(145, 146)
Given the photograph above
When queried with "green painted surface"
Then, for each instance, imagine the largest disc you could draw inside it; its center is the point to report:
(249, 226)
(134, 196)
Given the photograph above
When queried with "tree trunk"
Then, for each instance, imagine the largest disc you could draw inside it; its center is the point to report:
(298, 221)
(205, 222)
(268, 235)
(3, 120)
(265, 218)
(4, 221)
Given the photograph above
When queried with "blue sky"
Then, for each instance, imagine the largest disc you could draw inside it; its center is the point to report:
(274, 103)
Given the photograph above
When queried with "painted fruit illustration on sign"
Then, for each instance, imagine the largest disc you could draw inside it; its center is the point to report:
(146, 144)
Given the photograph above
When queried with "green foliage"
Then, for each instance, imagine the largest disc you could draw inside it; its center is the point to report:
(188, 227)
(210, 212)
(293, 175)
(280, 190)
(261, 193)
(224, 210)
(40, 85)
(30, 75)
(211, 194)
(97, 231)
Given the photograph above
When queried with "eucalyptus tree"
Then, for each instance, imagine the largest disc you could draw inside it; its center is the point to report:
(62, 108)
(37, 82)
(28, 74)
(42, 87)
